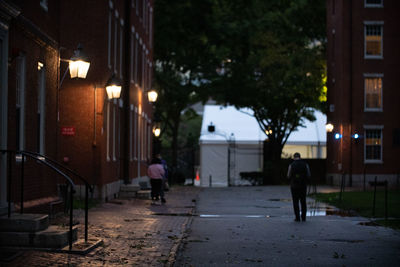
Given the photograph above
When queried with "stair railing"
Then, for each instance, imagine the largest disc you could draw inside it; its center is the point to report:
(88, 187)
(55, 166)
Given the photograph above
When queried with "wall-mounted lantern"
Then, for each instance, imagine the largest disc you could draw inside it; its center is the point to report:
(79, 64)
(113, 87)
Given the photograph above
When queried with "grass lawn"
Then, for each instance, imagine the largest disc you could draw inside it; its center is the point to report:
(362, 204)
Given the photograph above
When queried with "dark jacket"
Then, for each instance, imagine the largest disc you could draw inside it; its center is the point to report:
(299, 173)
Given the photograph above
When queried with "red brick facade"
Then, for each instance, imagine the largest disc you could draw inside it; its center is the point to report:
(80, 126)
(363, 95)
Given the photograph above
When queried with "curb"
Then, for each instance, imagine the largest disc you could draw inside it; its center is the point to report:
(178, 242)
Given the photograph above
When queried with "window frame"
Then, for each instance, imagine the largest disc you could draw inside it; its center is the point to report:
(373, 127)
(367, 5)
(373, 75)
(373, 23)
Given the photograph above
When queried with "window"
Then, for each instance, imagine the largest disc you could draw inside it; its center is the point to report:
(115, 40)
(43, 4)
(373, 39)
(110, 20)
(131, 141)
(114, 129)
(132, 54)
(108, 132)
(373, 3)
(373, 145)
(41, 107)
(121, 42)
(373, 93)
(20, 102)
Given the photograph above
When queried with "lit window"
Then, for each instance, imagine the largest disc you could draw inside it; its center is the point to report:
(373, 40)
(373, 93)
(373, 3)
(373, 145)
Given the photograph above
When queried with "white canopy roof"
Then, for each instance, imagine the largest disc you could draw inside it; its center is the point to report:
(241, 126)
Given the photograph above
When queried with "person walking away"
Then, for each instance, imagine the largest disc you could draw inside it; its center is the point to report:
(299, 174)
(164, 184)
(156, 173)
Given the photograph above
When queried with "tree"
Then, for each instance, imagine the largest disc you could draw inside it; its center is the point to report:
(272, 61)
(180, 48)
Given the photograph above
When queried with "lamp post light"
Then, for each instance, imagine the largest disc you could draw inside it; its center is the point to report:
(329, 127)
(152, 96)
(113, 87)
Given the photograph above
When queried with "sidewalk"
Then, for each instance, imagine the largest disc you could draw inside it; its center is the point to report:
(134, 233)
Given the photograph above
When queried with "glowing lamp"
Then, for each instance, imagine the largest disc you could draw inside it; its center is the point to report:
(113, 87)
(156, 130)
(79, 64)
(152, 96)
(338, 136)
(329, 127)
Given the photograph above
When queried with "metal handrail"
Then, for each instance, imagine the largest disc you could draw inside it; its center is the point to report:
(43, 159)
(88, 187)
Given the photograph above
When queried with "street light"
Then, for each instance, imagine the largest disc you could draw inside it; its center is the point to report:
(329, 127)
(113, 87)
(152, 96)
(79, 64)
(156, 130)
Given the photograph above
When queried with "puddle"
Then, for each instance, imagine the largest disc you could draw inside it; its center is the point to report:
(280, 199)
(329, 211)
(233, 216)
(344, 240)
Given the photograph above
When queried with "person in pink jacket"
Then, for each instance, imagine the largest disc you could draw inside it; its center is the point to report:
(156, 174)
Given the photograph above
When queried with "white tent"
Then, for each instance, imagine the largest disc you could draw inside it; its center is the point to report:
(236, 145)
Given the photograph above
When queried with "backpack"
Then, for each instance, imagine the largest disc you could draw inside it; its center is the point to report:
(299, 172)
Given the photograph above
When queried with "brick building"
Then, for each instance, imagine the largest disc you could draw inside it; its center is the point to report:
(107, 141)
(363, 64)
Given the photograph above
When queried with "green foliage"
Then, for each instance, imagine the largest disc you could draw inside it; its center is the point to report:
(271, 56)
(361, 202)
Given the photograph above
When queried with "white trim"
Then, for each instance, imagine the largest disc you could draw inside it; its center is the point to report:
(366, 5)
(110, 4)
(42, 108)
(372, 127)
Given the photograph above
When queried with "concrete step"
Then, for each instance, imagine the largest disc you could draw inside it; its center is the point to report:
(129, 188)
(52, 237)
(128, 191)
(24, 222)
(144, 194)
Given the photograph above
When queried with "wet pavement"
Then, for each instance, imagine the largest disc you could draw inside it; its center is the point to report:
(236, 226)
(134, 233)
(254, 226)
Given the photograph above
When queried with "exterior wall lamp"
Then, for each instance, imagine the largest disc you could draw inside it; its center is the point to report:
(113, 87)
(79, 64)
(152, 96)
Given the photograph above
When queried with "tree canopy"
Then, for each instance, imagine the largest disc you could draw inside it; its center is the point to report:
(265, 55)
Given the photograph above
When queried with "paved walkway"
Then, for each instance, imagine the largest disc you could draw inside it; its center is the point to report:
(135, 233)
